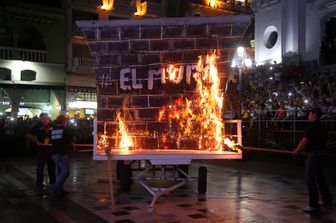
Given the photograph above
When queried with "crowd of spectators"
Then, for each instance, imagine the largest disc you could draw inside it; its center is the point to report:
(278, 93)
(13, 134)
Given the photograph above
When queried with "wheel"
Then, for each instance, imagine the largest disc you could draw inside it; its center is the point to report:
(202, 180)
(125, 177)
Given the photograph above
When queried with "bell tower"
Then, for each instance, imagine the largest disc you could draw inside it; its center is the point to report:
(279, 30)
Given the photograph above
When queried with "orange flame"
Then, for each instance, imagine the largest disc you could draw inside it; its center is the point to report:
(210, 103)
(107, 5)
(125, 140)
(102, 142)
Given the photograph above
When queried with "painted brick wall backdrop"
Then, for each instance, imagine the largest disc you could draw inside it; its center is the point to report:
(130, 53)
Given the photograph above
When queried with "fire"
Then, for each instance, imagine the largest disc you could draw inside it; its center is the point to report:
(125, 140)
(213, 3)
(141, 8)
(102, 142)
(175, 75)
(107, 5)
(205, 108)
(210, 103)
(229, 142)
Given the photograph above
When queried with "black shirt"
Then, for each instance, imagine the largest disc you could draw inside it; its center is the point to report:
(61, 138)
(42, 132)
(317, 135)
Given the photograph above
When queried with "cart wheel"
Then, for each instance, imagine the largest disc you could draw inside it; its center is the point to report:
(184, 168)
(125, 177)
(202, 180)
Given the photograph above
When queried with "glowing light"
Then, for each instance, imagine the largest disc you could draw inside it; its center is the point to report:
(241, 51)
(233, 63)
(107, 5)
(229, 142)
(248, 62)
(213, 3)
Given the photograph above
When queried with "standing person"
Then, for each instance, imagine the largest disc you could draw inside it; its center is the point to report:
(62, 143)
(40, 135)
(315, 140)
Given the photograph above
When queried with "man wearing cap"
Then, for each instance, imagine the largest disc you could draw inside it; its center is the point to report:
(315, 141)
(62, 143)
(40, 135)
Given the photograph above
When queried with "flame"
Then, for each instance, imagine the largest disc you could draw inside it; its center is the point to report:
(205, 108)
(172, 72)
(141, 8)
(172, 111)
(102, 142)
(229, 143)
(210, 102)
(213, 3)
(107, 5)
(125, 140)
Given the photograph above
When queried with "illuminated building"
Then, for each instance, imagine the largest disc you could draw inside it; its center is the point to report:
(45, 64)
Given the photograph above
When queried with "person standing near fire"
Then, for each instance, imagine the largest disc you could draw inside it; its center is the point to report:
(315, 141)
(39, 134)
(62, 144)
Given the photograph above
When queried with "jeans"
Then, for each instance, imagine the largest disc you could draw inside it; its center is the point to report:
(315, 178)
(62, 170)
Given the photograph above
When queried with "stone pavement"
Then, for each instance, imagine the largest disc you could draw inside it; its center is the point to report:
(252, 190)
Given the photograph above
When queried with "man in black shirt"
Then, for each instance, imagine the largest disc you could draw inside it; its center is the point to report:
(40, 135)
(315, 141)
(61, 140)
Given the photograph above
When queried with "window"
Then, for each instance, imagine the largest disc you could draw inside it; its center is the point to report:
(5, 74)
(28, 75)
(270, 37)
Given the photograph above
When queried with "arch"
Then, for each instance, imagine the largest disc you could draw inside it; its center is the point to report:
(31, 38)
(31, 102)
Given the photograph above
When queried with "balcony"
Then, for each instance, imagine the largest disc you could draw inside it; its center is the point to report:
(82, 65)
(11, 53)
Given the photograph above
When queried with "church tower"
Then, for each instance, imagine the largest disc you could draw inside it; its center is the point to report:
(292, 31)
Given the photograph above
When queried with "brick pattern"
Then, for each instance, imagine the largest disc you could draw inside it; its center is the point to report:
(152, 46)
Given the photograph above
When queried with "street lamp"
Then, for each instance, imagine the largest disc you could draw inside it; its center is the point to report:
(240, 60)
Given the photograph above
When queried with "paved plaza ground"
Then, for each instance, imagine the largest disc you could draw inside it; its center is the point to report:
(255, 189)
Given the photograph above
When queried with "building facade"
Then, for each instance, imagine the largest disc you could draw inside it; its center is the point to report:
(295, 31)
(45, 63)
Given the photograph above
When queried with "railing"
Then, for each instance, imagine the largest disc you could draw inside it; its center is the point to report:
(11, 53)
(82, 65)
(281, 135)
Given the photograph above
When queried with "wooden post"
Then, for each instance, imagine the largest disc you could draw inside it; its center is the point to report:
(109, 171)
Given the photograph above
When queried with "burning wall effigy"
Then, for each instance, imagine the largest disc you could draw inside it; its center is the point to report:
(160, 81)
